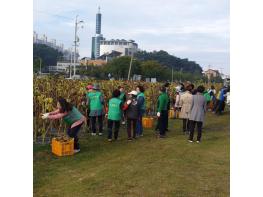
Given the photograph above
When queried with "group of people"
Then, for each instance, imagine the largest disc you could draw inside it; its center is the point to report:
(189, 102)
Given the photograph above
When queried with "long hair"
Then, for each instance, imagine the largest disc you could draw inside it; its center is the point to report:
(65, 106)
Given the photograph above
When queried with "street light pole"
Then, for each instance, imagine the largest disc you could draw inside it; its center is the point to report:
(75, 42)
(75, 45)
(130, 68)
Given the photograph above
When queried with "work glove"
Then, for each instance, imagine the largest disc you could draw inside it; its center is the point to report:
(158, 114)
(45, 116)
(129, 102)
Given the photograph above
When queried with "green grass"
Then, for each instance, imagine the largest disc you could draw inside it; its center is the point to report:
(145, 167)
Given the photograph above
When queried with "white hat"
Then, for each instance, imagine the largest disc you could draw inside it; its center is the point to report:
(133, 92)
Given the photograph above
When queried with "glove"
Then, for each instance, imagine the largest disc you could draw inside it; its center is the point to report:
(158, 114)
(129, 102)
(45, 116)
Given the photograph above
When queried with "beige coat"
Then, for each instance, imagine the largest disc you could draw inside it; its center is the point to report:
(185, 103)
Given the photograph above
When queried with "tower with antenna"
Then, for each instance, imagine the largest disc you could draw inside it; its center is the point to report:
(95, 47)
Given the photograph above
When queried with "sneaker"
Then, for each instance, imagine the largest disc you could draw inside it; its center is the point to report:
(141, 135)
(129, 139)
(76, 150)
(109, 140)
(93, 134)
(190, 141)
(100, 134)
(197, 141)
(123, 123)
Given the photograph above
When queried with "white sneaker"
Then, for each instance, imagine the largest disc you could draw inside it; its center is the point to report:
(197, 141)
(93, 134)
(100, 134)
(123, 123)
(190, 141)
(76, 150)
(109, 140)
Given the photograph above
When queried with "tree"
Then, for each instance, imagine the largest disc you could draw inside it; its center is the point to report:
(170, 61)
(48, 55)
(152, 69)
(119, 67)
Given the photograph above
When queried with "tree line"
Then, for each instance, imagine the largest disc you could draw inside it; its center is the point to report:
(156, 64)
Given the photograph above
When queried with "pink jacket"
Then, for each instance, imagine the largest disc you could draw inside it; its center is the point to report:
(57, 115)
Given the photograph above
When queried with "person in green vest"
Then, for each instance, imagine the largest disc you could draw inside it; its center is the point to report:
(71, 116)
(123, 99)
(141, 104)
(162, 111)
(95, 102)
(114, 114)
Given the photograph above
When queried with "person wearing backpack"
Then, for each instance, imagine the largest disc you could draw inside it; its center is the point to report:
(131, 108)
(95, 102)
(71, 116)
(114, 114)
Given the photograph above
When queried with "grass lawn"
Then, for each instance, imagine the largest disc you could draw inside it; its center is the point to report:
(145, 167)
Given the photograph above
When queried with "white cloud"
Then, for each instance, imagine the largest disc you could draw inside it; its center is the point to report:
(195, 28)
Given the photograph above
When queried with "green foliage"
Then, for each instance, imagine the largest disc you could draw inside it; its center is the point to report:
(119, 67)
(170, 61)
(153, 69)
(48, 55)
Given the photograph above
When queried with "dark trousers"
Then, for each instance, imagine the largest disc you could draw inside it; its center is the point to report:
(116, 128)
(220, 107)
(199, 130)
(73, 132)
(216, 102)
(88, 119)
(139, 128)
(166, 122)
(162, 122)
(186, 125)
(131, 123)
(93, 123)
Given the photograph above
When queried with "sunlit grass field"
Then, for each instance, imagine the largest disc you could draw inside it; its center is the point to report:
(147, 166)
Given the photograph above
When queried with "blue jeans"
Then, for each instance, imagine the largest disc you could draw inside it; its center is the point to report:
(139, 128)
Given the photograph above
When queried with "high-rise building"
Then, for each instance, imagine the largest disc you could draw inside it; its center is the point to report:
(95, 47)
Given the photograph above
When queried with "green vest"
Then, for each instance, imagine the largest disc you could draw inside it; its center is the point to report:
(207, 96)
(122, 96)
(142, 94)
(114, 109)
(94, 99)
(73, 116)
(162, 102)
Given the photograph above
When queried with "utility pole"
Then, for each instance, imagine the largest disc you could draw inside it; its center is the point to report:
(130, 68)
(70, 63)
(172, 74)
(181, 75)
(40, 62)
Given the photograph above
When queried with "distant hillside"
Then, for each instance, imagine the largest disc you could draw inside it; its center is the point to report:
(168, 60)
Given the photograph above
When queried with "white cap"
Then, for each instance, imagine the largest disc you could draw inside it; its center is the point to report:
(133, 92)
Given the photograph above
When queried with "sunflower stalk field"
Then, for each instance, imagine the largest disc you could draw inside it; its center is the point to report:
(47, 90)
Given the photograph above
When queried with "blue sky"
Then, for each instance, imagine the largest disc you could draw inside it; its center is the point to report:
(193, 29)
